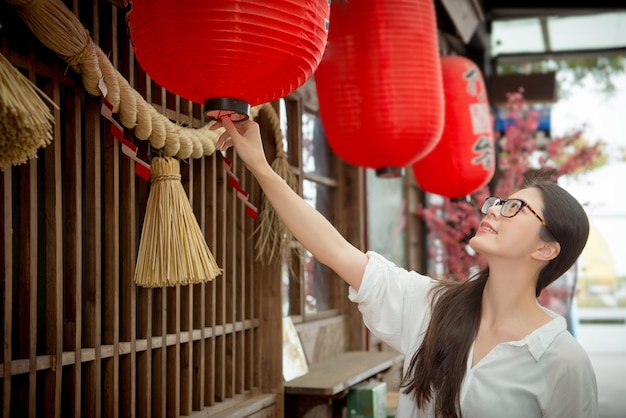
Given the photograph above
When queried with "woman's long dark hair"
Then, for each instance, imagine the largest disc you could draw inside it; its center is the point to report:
(438, 367)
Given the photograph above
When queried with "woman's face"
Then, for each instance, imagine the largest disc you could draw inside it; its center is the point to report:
(511, 237)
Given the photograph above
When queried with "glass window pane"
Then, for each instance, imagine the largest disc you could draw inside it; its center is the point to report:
(516, 36)
(607, 30)
(386, 219)
(318, 279)
(283, 123)
(318, 285)
(286, 290)
(316, 154)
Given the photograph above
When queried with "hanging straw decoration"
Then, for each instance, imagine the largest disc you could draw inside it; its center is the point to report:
(172, 250)
(60, 30)
(25, 117)
(274, 240)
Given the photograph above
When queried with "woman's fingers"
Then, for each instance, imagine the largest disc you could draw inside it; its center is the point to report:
(223, 142)
(234, 132)
(230, 127)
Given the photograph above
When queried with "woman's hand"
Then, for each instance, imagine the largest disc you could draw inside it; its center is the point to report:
(246, 138)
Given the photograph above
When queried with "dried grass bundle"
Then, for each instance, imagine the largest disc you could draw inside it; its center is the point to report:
(25, 117)
(274, 241)
(61, 31)
(172, 250)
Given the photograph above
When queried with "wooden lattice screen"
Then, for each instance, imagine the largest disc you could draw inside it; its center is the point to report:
(80, 339)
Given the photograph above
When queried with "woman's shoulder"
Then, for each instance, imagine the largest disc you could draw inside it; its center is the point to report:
(569, 378)
(566, 353)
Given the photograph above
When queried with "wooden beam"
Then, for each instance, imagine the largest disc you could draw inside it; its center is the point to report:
(504, 59)
(538, 88)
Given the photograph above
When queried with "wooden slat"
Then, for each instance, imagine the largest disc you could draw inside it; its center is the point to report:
(27, 288)
(240, 306)
(73, 248)
(159, 383)
(255, 306)
(186, 305)
(231, 285)
(186, 349)
(145, 299)
(92, 372)
(221, 301)
(173, 319)
(128, 289)
(198, 308)
(111, 262)
(247, 263)
(211, 232)
(18, 311)
(268, 278)
(128, 242)
(352, 220)
(159, 369)
(54, 261)
(32, 286)
(172, 383)
(144, 358)
(7, 291)
(111, 203)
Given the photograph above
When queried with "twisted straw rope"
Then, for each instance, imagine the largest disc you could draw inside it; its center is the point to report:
(59, 29)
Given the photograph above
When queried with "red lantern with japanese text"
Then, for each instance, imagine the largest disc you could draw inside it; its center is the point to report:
(379, 83)
(229, 55)
(464, 159)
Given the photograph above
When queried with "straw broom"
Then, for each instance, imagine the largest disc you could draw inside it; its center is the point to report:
(172, 250)
(25, 117)
(274, 240)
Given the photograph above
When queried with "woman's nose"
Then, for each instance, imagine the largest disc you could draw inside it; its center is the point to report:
(494, 210)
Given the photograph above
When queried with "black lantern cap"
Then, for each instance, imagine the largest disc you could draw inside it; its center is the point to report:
(389, 172)
(237, 110)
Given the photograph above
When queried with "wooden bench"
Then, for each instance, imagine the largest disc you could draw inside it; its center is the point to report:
(321, 391)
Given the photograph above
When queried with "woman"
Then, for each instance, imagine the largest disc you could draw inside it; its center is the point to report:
(483, 348)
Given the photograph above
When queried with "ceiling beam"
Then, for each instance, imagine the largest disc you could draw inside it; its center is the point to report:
(561, 55)
(519, 12)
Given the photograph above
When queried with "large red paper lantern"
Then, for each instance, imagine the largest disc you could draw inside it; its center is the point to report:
(379, 83)
(464, 159)
(229, 54)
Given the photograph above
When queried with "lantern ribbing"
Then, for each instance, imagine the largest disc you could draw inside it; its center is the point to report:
(379, 82)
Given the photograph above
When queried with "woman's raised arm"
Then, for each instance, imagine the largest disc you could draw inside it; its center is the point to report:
(306, 224)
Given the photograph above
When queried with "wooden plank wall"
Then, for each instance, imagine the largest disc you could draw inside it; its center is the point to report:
(80, 338)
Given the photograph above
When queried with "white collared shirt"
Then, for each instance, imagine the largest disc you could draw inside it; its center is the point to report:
(546, 374)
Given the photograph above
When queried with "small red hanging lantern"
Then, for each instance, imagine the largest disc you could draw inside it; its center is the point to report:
(464, 159)
(229, 55)
(379, 83)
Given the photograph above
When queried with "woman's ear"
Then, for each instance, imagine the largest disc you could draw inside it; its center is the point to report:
(549, 250)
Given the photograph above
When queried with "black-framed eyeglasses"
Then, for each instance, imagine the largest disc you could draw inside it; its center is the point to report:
(511, 207)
